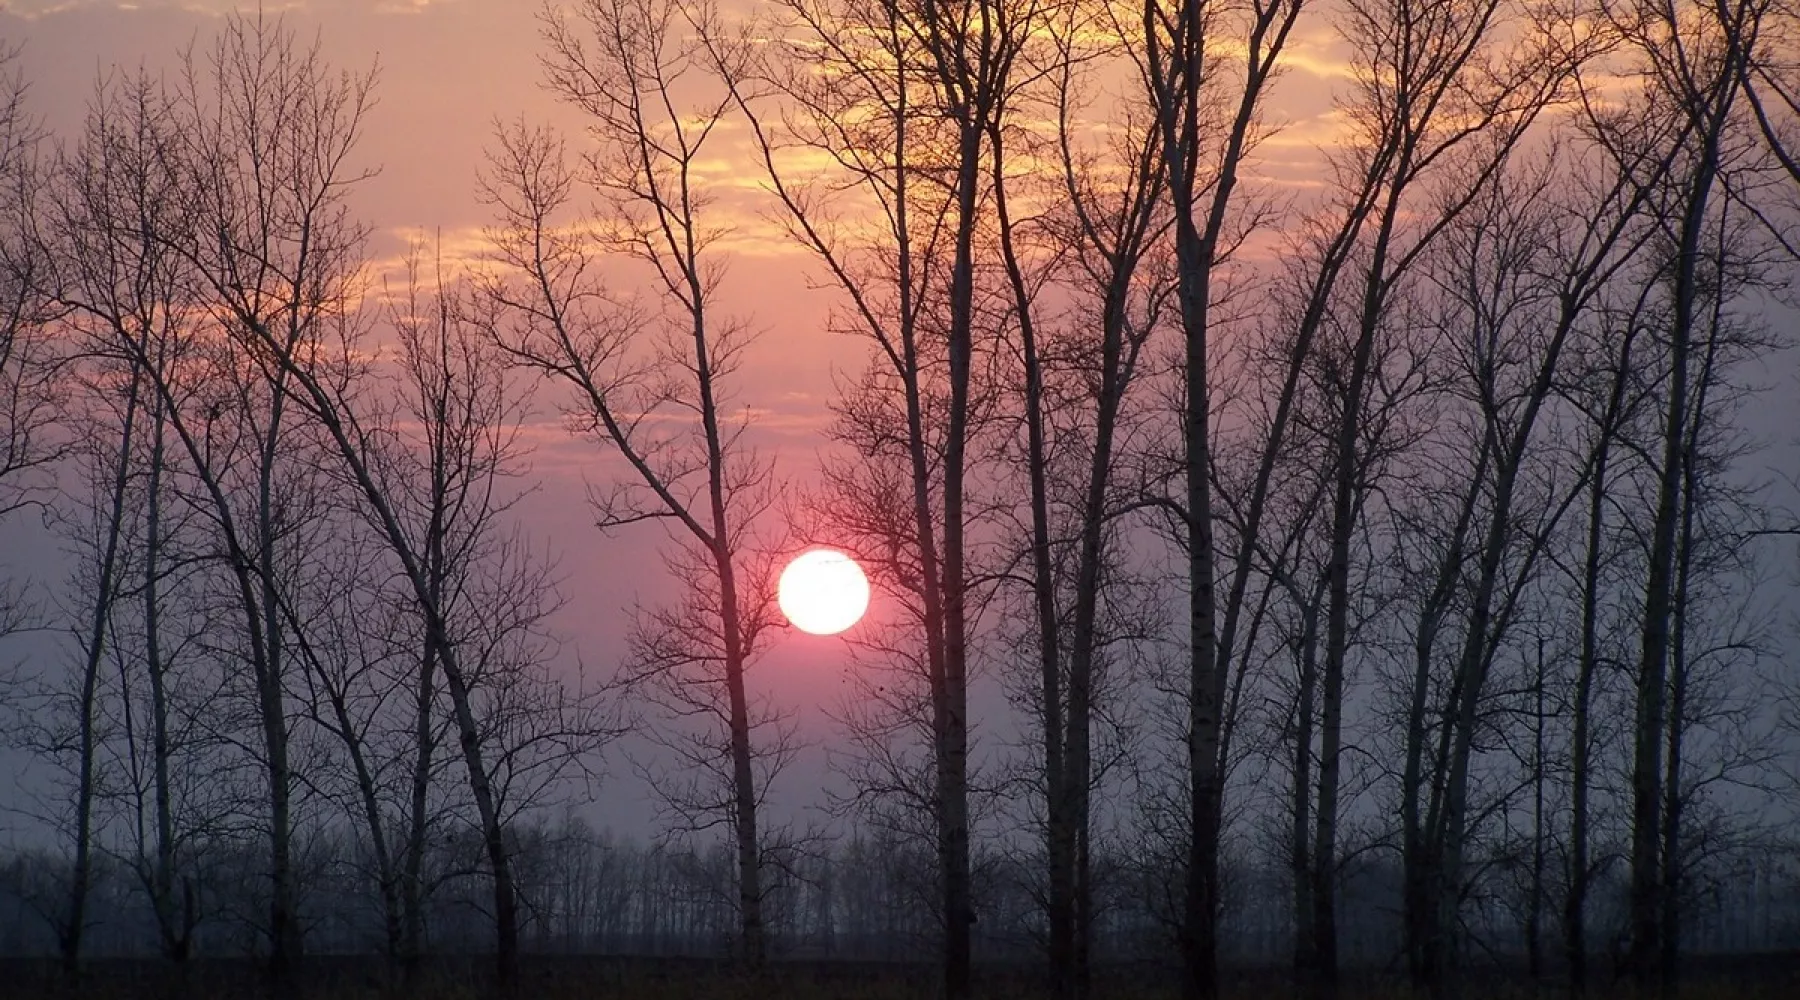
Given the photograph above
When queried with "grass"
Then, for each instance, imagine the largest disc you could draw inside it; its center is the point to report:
(1768, 977)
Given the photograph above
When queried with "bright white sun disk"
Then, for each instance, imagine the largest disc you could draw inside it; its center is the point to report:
(823, 592)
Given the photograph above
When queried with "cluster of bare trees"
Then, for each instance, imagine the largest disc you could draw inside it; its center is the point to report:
(1398, 508)
(1371, 421)
(299, 602)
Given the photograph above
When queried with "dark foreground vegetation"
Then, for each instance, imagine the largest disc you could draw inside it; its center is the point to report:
(566, 977)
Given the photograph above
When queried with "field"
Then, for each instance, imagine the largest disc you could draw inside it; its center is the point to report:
(1760, 977)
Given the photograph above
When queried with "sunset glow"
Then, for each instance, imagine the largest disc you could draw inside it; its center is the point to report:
(1339, 446)
(823, 591)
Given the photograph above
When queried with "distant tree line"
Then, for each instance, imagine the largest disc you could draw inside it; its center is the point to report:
(1362, 519)
(859, 899)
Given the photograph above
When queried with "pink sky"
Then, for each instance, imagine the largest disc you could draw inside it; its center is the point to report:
(449, 68)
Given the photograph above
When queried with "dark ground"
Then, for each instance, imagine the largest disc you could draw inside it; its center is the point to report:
(1743, 977)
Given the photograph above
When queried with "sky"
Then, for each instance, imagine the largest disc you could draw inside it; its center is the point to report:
(448, 69)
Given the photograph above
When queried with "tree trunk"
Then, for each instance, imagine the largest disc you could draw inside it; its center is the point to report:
(743, 779)
(1534, 904)
(1347, 470)
(1673, 863)
(284, 925)
(1580, 873)
(369, 798)
(1061, 829)
(412, 887)
(1419, 851)
(1647, 888)
(80, 881)
(1176, 78)
(952, 715)
(174, 925)
(1306, 945)
(743, 786)
(1345, 506)
(1580, 772)
(493, 834)
(933, 570)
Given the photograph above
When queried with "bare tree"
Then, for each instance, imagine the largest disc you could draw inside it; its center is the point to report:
(1102, 248)
(846, 86)
(1442, 99)
(127, 307)
(258, 135)
(280, 262)
(1698, 65)
(445, 445)
(966, 55)
(903, 101)
(106, 589)
(1203, 178)
(26, 358)
(1609, 370)
(1536, 273)
(65, 728)
(626, 65)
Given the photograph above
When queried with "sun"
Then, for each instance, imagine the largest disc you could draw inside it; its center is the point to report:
(823, 591)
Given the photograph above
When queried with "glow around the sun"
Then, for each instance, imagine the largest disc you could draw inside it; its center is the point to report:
(823, 591)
